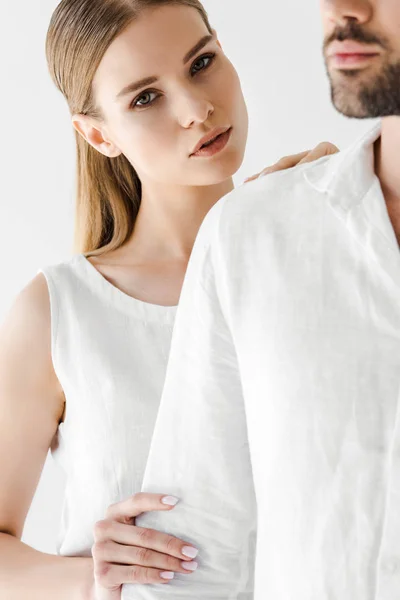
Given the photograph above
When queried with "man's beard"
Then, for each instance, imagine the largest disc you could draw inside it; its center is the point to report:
(378, 97)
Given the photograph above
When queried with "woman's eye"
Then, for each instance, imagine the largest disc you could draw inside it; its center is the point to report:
(142, 95)
(135, 103)
(209, 57)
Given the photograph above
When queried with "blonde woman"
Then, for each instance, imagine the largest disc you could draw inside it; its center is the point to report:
(85, 345)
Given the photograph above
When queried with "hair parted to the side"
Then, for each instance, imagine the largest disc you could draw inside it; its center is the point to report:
(108, 190)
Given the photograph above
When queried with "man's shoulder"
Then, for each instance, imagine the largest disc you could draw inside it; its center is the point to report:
(277, 192)
(266, 200)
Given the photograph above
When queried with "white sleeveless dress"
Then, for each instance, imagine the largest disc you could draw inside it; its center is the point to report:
(110, 354)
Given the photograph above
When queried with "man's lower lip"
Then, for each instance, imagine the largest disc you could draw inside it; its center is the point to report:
(216, 146)
(351, 60)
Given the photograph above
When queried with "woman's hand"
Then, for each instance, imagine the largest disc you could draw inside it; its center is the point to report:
(124, 553)
(287, 162)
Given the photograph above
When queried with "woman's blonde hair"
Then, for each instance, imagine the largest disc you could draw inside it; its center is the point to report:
(108, 190)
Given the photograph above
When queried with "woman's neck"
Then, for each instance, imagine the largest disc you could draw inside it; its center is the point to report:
(169, 220)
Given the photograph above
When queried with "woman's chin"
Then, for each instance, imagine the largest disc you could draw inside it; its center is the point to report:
(222, 170)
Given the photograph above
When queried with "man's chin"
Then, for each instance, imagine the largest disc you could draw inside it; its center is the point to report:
(352, 112)
(347, 101)
(366, 93)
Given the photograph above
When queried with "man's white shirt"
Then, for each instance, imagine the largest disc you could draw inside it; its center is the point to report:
(278, 426)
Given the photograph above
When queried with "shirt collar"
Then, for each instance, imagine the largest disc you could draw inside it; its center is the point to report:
(353, 191)
(347, 175)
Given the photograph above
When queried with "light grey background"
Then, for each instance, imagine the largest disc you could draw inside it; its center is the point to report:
(276, 49)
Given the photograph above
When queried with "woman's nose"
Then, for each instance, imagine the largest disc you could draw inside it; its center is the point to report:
(194, 109)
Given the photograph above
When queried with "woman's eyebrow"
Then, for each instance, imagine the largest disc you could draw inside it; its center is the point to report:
(200, 44)
(136, 85)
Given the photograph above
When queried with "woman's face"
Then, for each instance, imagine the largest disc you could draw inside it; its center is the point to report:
(158, 125)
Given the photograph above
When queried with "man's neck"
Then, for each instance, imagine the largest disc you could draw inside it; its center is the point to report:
(387, 168)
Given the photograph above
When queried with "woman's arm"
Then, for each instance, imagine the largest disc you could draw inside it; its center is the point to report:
(31, 405)
(28, 573)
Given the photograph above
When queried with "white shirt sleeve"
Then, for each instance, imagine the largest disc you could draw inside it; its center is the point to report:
(199, 450)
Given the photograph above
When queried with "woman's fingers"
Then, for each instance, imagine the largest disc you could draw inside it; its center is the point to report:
(109, 551)
(110, 576)
(287, 162)
(126, 510)
(143, 538)
(123, 553)
(323, 149)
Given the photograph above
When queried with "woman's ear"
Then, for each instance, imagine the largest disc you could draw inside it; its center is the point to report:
(92, 132)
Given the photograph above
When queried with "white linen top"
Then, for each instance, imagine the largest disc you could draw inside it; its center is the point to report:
(285, 371)
(110, 354)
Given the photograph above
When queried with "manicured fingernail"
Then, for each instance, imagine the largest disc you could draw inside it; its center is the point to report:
(170, 500)
(190, 566)
(167, 575)
(190, 551)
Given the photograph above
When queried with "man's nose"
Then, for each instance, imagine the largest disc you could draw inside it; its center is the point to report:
(340, 12)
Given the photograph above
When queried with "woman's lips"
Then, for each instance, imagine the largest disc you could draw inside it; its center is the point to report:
(215, 147)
